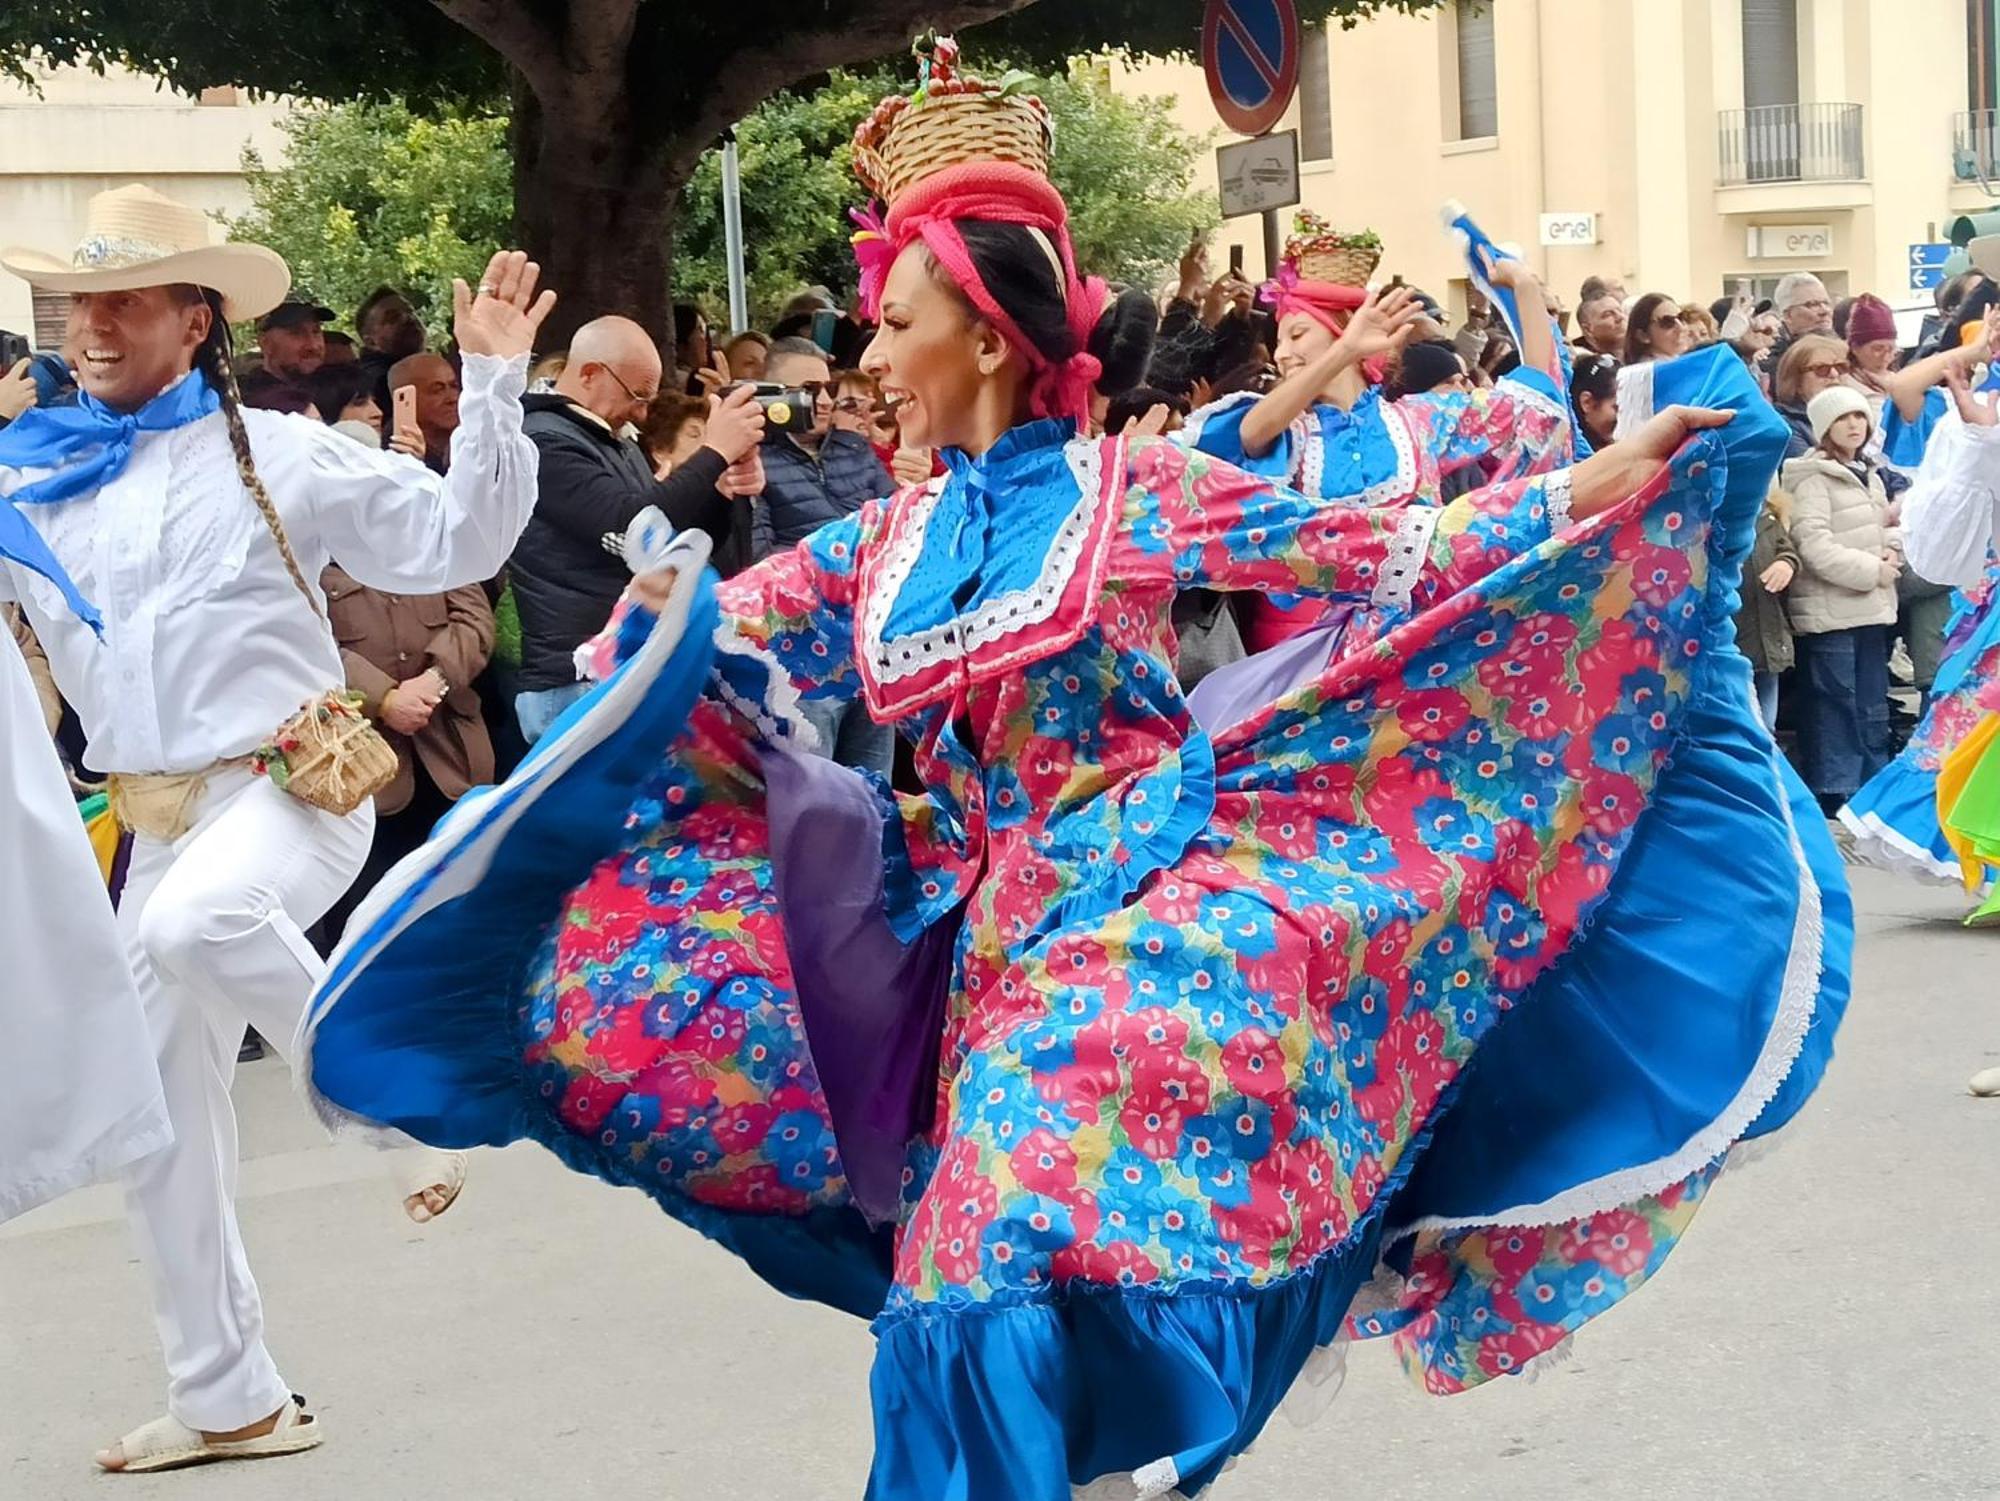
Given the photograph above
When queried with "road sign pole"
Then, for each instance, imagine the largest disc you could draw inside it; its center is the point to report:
(1274, 243)
(732, 234)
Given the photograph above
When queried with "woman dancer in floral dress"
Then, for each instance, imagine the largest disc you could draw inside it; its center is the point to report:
(1107, 1070)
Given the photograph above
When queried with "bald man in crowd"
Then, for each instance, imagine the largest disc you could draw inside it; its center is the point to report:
(435, 380)
(595, 479)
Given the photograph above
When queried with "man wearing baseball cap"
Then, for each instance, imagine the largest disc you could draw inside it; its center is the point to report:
(292, 338)
(163, 542)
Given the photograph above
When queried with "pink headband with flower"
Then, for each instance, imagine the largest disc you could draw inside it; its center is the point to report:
(1328, 302)
(994, 193)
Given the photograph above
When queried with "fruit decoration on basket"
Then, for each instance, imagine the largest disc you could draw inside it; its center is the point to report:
(952, 118)
(1323, 253)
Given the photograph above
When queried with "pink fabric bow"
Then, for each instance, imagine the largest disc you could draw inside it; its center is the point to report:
(1273, 293)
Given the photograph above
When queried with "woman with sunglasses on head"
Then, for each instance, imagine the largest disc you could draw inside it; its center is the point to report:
(1105, 1070)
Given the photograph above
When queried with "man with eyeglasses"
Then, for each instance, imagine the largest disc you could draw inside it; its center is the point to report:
(1803, 306)
(810, 479)
(594, 480)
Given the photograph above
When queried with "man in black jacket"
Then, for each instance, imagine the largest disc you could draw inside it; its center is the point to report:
(567, 569)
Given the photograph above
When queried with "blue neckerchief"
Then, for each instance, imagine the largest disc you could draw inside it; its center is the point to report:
(88, 446)
(970, 553)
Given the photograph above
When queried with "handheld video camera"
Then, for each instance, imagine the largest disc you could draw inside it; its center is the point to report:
(785, 410)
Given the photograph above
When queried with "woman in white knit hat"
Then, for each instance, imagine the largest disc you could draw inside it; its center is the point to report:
(1843, 602)
(163, 543)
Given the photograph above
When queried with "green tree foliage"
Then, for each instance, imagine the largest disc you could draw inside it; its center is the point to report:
(1129, 172)
(341, 49)
(379, 194)
(1126, 167)
(615, 100)
(798, 184)
(374, 195)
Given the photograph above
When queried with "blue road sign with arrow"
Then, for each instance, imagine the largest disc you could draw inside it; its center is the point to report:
(1927, 267)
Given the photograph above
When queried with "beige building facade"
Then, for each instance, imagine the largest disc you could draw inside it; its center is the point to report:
(82, 133)
(1679, 144)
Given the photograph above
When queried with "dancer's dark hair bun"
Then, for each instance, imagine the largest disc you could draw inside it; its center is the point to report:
(1123, 340)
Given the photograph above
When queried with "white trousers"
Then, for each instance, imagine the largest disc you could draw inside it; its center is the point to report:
(214, 925)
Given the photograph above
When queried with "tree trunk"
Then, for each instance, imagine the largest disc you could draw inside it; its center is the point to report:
(594, 203)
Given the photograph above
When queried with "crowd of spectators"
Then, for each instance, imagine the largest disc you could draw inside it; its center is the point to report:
(462, 683)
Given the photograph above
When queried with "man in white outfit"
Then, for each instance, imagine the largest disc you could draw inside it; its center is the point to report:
(194, 529)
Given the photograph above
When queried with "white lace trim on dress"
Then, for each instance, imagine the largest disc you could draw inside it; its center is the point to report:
(1879, 844)
(999, 617)
(1635, 400)
(1407, 555)
(1556, 495)
(777, 715)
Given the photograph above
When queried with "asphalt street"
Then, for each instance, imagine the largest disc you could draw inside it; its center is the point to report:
(1828, 1330)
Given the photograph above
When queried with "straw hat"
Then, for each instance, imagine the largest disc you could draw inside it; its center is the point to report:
(135, 237)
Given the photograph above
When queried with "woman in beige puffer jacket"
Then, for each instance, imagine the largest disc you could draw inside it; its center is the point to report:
(1843, 602)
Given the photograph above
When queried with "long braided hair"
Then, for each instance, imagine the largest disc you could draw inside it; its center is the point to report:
(213, 362)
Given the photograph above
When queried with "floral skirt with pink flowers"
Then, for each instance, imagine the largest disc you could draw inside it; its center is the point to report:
(1498, 937)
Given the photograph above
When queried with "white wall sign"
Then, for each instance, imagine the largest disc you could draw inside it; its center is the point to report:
(1789, 241)
(1259, 174)
(1569, 229)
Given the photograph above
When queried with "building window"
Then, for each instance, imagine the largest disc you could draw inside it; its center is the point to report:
(51, 318)
(1770, 53)
(1315, 99)
(1478, 86)
(225, 97)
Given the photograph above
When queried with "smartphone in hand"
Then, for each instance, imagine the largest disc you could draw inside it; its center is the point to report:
(405, 413)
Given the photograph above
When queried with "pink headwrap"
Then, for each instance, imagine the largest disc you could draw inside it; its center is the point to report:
(1326, 301)
(995, 193)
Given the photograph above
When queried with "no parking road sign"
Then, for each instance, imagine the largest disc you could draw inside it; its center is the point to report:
(1250, 52)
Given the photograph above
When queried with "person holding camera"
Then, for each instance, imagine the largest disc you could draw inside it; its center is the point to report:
(568, 570)
(815, 473)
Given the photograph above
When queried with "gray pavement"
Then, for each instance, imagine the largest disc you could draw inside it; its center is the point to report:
(1828, 1330)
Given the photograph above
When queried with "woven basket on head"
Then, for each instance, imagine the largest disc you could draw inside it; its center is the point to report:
(340, 761)
(1346, 267)
(950, 130)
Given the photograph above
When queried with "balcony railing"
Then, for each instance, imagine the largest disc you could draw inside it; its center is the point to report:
(1790, 143)
(1975, 145)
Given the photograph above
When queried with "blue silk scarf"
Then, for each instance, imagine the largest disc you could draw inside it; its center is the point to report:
(87, 445)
